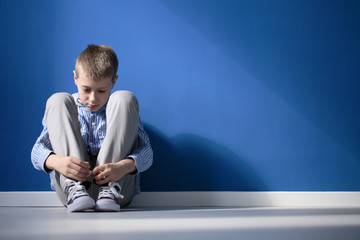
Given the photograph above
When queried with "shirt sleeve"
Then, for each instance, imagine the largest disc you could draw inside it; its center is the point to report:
(41, 149)
(143, 153)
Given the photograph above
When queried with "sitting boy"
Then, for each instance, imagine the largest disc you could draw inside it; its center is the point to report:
(93, 142)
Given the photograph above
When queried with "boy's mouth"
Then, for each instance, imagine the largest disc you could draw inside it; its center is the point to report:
(90, 106)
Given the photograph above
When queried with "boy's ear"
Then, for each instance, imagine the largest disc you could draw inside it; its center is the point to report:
(115, 79)
(75, 79)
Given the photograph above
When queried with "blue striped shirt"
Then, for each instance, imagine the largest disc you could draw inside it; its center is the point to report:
(93, 131)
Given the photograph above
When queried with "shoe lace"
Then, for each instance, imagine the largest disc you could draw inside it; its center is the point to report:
(112, 190)
(75, 189)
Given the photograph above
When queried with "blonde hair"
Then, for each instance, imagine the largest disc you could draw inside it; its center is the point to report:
(97, 62)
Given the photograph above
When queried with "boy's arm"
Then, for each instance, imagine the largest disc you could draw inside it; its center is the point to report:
(41, 149)
(142, 153)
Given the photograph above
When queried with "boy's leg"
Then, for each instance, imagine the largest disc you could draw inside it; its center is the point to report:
(64, 134)
(122, 118)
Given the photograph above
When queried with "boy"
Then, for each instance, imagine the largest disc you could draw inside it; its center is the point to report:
(93, 143)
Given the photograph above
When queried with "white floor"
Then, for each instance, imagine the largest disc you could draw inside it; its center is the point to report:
(181, 223)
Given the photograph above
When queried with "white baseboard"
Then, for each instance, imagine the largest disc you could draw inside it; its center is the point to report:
(203, 199)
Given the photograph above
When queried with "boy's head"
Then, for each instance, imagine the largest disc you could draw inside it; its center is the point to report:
(97, 62)
(95, 75)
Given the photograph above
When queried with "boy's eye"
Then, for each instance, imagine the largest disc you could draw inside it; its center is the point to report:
(102, 91)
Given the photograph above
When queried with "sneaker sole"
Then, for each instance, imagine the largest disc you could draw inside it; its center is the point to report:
(104, 205)
(81, 205)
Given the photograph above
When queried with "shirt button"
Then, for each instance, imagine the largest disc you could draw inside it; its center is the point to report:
(93, 123)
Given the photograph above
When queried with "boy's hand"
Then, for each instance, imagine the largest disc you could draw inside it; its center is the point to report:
(113, 172)
(68, 166)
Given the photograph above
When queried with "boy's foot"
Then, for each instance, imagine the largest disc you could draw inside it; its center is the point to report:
(107, 200)
(78, 198)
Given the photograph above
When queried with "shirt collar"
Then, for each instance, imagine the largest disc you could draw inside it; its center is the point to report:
(77, 102)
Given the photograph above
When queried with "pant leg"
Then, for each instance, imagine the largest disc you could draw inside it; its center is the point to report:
(122, 118)
(64, 134)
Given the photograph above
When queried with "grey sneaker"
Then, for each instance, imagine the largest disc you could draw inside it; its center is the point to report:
(78, 198)
(107, 200)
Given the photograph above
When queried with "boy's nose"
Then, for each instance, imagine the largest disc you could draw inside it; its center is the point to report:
(92, 96)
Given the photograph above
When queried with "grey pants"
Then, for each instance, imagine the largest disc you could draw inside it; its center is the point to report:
(122, 117)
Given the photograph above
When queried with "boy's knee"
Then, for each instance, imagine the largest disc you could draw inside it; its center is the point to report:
(125, 98)
(60, 99)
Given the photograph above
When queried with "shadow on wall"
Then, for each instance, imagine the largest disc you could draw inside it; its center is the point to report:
(188, 162)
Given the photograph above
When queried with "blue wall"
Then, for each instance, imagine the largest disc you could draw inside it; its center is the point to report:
(235, 95)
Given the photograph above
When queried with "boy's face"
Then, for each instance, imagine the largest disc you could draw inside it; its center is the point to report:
(93, 94)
